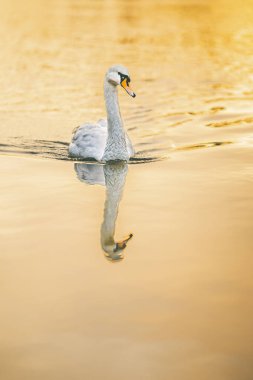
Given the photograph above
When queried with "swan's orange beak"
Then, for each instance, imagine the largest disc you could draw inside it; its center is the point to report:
(127, 88)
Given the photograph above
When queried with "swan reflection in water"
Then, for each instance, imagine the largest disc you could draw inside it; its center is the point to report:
(113, 176)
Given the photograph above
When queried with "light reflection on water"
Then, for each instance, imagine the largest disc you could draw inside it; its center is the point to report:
(180, 304)
(189, 76)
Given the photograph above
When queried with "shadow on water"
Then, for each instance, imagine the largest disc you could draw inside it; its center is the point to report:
(113, 176)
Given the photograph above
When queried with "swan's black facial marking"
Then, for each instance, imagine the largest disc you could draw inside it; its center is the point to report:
(123, 77)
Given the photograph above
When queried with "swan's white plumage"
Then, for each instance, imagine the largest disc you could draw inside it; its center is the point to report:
(89, 141)
(106, 140)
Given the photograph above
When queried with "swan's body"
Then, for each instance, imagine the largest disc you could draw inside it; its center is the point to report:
(106, 140)
(89, 141)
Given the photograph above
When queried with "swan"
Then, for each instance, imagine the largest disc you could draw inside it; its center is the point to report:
(106, 140)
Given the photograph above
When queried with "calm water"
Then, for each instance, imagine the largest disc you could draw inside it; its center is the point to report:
(149, 275)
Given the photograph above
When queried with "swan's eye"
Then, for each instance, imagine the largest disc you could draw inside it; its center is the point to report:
(123, 77)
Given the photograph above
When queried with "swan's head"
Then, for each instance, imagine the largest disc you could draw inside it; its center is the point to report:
(118, 75)
(114, 251)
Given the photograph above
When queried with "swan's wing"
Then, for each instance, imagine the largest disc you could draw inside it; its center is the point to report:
(89, 141)
(102, 123)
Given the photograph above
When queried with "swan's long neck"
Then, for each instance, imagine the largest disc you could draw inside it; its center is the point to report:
(115, 176)
(116, 140)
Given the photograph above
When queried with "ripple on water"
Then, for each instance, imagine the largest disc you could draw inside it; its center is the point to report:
(58, 150)
(229, 123)
(210, 144)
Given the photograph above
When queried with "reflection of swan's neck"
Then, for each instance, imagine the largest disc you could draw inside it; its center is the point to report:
(116, 141)
(115, 176)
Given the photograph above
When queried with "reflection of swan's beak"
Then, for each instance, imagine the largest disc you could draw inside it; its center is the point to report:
(123, 243)
(128, 88)
(116, 254)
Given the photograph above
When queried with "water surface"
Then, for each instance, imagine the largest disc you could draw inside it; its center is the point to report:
(130, 271)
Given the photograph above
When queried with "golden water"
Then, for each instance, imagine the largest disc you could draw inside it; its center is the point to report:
(179, 305)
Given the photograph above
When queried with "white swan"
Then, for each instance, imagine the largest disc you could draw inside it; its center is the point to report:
(106, 140)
